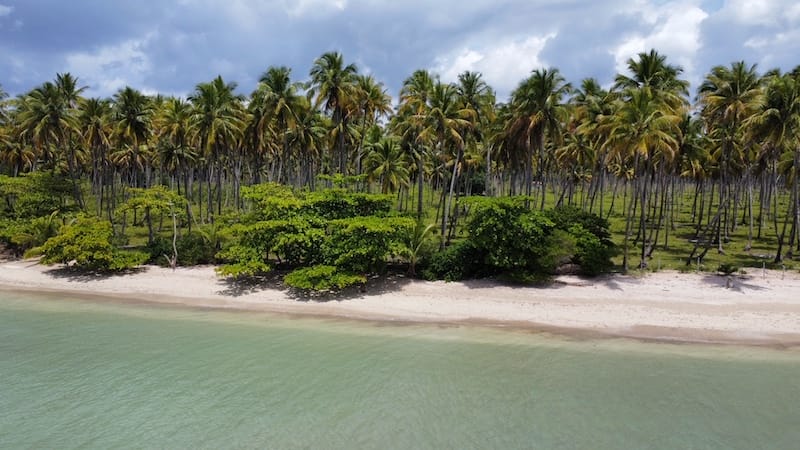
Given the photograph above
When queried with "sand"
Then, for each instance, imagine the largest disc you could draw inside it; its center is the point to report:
(761, 308)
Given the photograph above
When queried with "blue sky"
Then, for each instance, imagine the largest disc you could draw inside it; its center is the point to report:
(169, 46)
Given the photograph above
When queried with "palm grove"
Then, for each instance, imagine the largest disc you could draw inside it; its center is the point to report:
(327, 177)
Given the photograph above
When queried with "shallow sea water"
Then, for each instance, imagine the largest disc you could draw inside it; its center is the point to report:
(93, 374)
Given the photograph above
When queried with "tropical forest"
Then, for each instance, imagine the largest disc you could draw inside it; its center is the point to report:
(327, 179)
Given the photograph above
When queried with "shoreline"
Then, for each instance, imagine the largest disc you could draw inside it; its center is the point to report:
(757, 310)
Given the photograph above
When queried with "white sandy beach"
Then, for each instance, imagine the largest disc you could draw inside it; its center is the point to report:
(759, 308)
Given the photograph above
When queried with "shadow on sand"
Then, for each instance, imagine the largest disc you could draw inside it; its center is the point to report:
(735, 283)
(77, 275)
(377, 285)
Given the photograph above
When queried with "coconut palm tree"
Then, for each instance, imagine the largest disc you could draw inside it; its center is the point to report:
(132, 117)
(97, 130)
(387, 163)
(372, 102)
(217, 122)
(444, 124)
(171, 124)
(728, 98)
(307, 140)
(279, 99)
(333, 83)
(414, 97)
(538, 112)
(645, 129)
(477, 95)
(47, 120)
(777, 126)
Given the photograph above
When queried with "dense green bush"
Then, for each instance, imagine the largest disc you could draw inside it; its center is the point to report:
(333, 204)
(593, 255)
(594, 248)
(322, 278)
(362, 244)
(32, 195)
(513, 238)
(193, 249)
(87, 244)
(459, 261)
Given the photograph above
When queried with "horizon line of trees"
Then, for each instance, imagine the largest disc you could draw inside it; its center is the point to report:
(737, 146)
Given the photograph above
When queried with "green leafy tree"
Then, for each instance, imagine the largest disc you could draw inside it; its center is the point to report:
(86, 243)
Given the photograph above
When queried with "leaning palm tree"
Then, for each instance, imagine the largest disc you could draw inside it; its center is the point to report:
(444, 125)
(333, 83)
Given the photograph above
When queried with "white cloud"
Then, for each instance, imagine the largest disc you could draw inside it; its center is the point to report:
(5, 10)
(301, 7)
(756, 12)
(502, 64)
(676, 33)
(110, 68)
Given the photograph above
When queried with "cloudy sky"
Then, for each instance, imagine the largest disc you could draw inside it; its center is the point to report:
(168, 46)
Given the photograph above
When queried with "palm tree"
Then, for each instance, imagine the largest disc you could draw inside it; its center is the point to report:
(217, 121)
(777, 126)
(133, 115)
(97, 133)
(650, 71)
(47, 120)
(307, 139)
(444, 125)
(729, 97)
(279, 99)
(387, 162)
(645, 129)
(414, 97)
(538, 112)
(592, 105)
(372, 102)
(477, 95)
(334, 83)
(172, 127)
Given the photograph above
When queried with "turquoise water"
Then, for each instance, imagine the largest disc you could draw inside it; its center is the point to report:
(88, 374)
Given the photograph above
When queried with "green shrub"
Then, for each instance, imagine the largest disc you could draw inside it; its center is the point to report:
(193, 249)
(322, 278)
(459, 261)
(727, 269)
(592, 254)
(87, 243)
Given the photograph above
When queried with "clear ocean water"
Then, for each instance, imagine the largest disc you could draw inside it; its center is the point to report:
(92, 374)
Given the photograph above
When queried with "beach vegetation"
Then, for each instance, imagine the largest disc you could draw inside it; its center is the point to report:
(85, 243)
(320, 170)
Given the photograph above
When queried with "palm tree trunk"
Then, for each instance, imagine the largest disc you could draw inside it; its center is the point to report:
(448, 205)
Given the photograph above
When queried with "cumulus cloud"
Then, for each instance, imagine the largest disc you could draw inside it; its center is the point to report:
(171, 46)
(675, 31)
(503, 64)
(109, 68)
